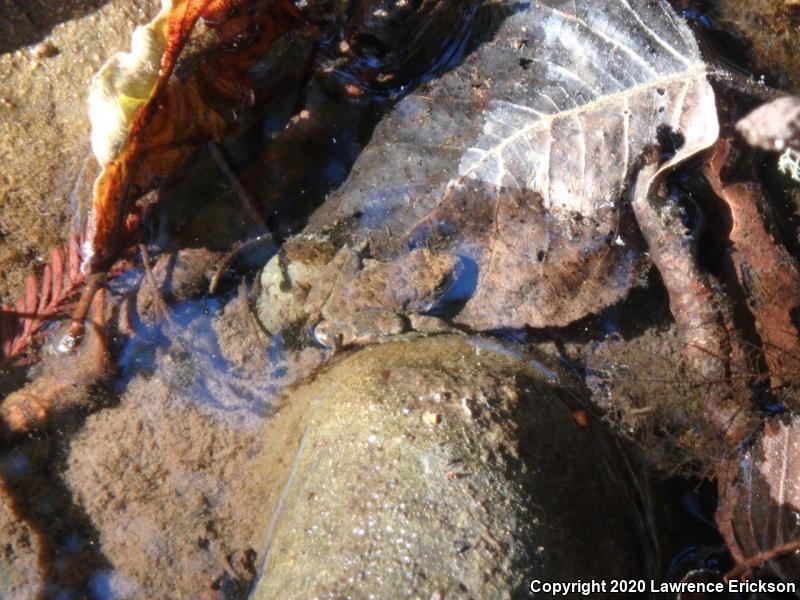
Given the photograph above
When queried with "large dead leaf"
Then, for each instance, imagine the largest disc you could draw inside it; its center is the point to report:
(760, 506)
(146, 121)
(518, 159)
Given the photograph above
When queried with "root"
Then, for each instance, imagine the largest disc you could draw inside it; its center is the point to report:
(223, 264)
(744, 567)
(702, 313)
(244, 198)
(67, 384)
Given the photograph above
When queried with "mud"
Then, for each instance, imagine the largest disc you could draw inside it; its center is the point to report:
(170, 487)
(19, 568)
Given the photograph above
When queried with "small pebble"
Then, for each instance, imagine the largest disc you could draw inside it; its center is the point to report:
(45, 50)
(432, 419)
(581, 418)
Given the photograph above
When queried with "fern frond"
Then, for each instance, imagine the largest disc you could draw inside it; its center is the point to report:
(45, 298)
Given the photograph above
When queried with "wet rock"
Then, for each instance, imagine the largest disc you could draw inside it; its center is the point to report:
(443, 467)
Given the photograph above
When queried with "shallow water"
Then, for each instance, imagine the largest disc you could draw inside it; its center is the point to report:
(184, 460)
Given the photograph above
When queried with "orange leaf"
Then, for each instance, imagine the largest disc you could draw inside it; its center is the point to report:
(146, 121)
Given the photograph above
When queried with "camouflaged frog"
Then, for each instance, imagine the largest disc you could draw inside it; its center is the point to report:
(344, 298)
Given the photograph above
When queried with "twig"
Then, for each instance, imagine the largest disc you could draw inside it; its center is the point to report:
(241, 193)
(223, 264)
(744, 567)
(77, 327)
(158, 299)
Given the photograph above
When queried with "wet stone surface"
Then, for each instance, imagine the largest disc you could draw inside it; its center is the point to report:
(445, 465)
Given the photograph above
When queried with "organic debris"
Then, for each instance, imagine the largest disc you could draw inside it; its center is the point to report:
(759, 511)
(44, 299)
(776, 126)
(773, 126)
(146, 120)
(68, 383)
(768, 273)
(702, 313)
(237, 577)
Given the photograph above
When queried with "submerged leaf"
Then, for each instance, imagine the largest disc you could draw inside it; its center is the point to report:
(146, 121)
(765, 501)
(767, 272)
(518, 160)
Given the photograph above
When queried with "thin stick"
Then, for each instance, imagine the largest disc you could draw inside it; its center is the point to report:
(241, 193)
(744, 567)
(158, 299)
(77, 327)
(223, 264)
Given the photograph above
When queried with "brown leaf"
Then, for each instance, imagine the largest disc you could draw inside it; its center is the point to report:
(702, 313)
(533, 271)
(519, 159)
(145, 126)
(765, 269)
(760, 502)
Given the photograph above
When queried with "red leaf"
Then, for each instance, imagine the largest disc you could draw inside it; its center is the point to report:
(19, 325)
(47, 287)
(74, 260)
(31, 302)
(7, 330)
(58, 277)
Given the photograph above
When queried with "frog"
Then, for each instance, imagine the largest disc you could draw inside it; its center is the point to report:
(344, 297)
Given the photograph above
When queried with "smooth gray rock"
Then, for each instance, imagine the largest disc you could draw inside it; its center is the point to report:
(444, 467)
